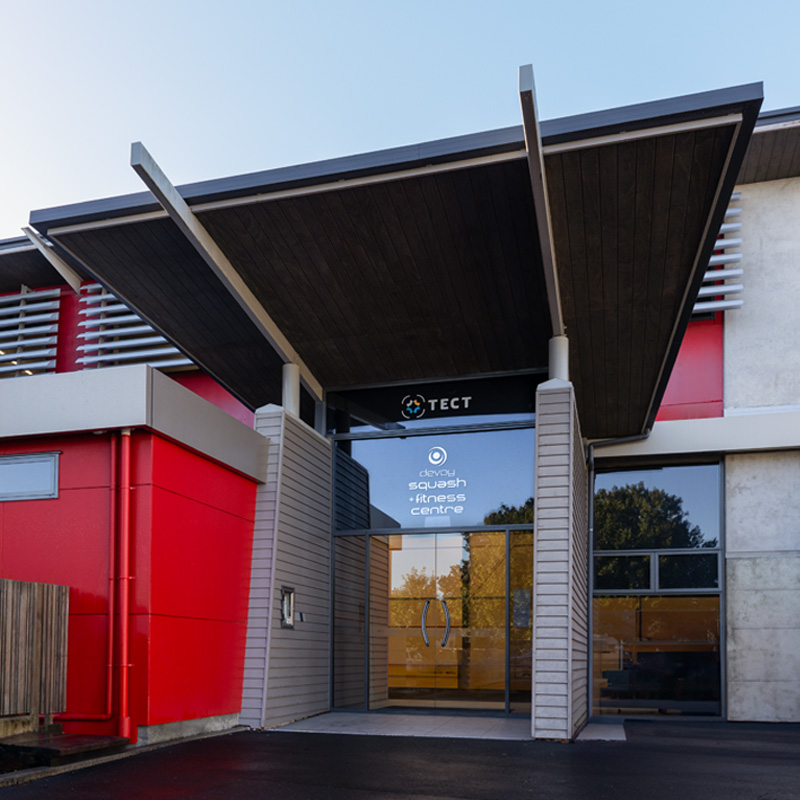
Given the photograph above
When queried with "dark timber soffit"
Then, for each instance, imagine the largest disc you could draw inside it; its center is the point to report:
(437, 273)
(635, 218)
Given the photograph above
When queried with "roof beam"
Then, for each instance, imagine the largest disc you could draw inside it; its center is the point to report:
(541, 204)
(168, 196)
(56, 262)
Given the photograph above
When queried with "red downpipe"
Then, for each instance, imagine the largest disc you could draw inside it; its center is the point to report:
(112, 600)
(124, 723)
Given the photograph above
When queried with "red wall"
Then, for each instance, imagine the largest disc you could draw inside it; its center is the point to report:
(192, 525)
(695, 387)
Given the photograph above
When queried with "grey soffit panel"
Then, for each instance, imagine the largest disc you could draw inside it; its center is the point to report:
(153, 269)
(628, 220)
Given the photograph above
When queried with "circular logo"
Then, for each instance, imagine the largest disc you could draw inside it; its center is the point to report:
(413, 406)
(437, 456)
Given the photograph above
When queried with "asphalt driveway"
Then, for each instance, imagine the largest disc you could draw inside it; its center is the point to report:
(683, 761)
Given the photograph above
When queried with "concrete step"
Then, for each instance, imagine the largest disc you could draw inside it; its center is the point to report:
(47, 749)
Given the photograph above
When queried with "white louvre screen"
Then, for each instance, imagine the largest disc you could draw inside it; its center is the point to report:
(112, 334)
(28, 332)
(722, 281)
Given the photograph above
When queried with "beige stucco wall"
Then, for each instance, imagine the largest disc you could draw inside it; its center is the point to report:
(762, 339)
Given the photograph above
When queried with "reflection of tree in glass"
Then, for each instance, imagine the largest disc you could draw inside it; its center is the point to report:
(634, 517)
(511, 515)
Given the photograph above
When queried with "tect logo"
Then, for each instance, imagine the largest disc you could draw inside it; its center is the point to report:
(413, 406)
(437, 456)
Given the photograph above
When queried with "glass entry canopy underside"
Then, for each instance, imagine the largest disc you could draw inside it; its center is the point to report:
(448, 616)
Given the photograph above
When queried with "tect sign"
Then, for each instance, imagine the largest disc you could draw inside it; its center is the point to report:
(414, 406)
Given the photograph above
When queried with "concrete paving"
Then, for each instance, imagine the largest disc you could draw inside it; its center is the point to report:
(669, 761)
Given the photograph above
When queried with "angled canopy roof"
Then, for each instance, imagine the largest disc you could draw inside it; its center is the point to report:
(426, 262)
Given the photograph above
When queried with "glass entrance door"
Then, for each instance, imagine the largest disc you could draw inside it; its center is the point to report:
(438, 620)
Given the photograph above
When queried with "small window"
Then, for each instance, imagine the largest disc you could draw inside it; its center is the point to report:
(29, 477)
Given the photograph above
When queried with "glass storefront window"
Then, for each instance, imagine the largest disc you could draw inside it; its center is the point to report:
(656, 605)
(436, 481)
(656, 654)
(673, 507)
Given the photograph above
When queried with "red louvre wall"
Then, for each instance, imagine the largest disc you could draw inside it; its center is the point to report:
(191, 539)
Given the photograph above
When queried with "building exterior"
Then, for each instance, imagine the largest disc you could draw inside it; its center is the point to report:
(327, 437)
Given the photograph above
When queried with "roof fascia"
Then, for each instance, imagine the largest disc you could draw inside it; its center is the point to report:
(458, 148)
(652, 114)
(443, 151)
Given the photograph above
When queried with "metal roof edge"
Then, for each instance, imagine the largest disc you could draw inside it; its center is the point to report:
(457, 148)
(650, 114)
(777, 116)
(440, 151)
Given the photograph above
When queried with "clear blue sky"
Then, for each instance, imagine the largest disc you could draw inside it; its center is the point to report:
(220, 88)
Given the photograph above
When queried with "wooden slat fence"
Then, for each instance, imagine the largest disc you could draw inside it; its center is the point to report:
(33, 653)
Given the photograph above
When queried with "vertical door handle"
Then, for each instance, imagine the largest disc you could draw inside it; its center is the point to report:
(446, 623)
(422, 622)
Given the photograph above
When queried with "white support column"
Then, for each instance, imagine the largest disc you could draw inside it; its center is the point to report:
(558, 354)
(205, 245)
(58, 263)
(291, 388)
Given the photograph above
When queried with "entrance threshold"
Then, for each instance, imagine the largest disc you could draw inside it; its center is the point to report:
(446, 726)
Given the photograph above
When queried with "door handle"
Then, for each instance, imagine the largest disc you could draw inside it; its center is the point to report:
(446, 623)
(422, 622)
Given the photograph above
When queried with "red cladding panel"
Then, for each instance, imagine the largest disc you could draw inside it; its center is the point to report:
(67, 353)
(195, 668)
(200, 560)
(86, 663)
(696, 384)
(60, 541)
(185, 473)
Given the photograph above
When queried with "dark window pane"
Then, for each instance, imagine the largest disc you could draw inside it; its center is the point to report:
(657, 508)
(688, 572)
(622, 572)
(656, 654)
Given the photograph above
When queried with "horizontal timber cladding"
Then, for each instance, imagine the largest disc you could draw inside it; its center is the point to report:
(579, 588)
(270, 424)
(288, 670)
(560, 570)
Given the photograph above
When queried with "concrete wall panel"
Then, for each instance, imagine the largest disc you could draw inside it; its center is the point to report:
(762, 339)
